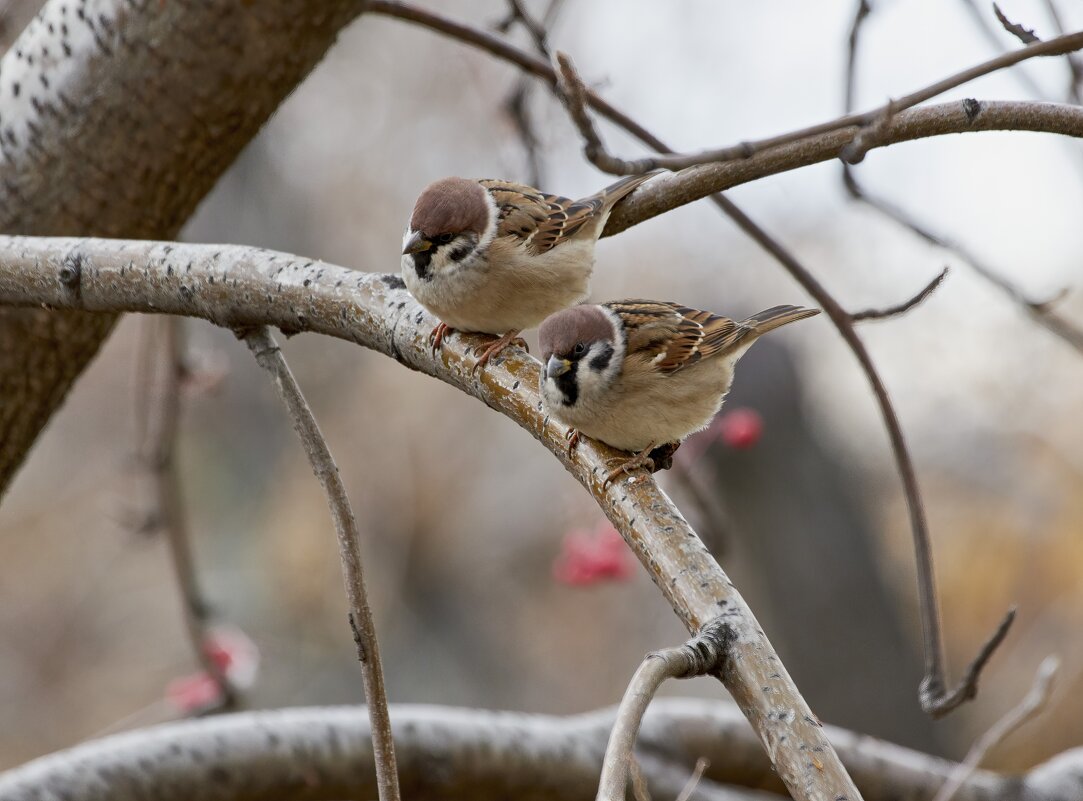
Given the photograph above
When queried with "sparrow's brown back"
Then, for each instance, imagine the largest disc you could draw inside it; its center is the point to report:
(544, 221)
(666, 337)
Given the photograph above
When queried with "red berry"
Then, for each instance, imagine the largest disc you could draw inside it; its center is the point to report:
(740, 428)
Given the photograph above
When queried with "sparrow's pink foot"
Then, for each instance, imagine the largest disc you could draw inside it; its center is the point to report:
(436, 337)
(510, 338)
(641, 459)
(573, 436)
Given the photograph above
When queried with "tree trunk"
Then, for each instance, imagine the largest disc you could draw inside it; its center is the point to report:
(116, 118)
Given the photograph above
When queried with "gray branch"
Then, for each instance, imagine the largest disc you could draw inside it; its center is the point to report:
(270, 358)
(238, 287)
(703, 654)
(447, 753)
(668, 192)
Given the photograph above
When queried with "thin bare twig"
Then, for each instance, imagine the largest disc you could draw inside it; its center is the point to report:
(270, 358)
(1039, 311)
(1031, 705)
(863, 10)
(980, 14)
(160, 391)
(875, 117)
(703, 654)
(517, 104)
(1024, 35)
(1075, 66)
(677, 189)
(935, 697)
(538, 29)
(901, 308)
(697, 774)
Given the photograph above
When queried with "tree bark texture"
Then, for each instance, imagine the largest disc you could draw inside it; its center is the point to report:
(116, 118)
(237, 288)
(448, 753)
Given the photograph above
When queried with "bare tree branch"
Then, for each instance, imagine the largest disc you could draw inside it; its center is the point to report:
(517, 103)
(901, 308)
(980, 15)
(326, 754)
(668, 192)
(270, 358)
(88, 91)
(935, 696)
(1039, 311)
(874, 123)
(705, 653)
(1075, 66)
(243, 287)
(1024, 35)
(158, 458)
(1031, 705)
(694, 780)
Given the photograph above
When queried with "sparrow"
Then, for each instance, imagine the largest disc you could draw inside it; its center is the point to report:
(641, 375)
(499, 257)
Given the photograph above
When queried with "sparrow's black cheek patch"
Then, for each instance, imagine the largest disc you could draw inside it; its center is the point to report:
(568, 385)
(460, 251)
(422, 262)
(601, 361)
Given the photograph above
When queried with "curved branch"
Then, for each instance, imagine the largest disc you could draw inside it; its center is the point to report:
(269, 356)
(667, 192)
(705, 653)
(238, 287)
(933, 693)
(447, 753)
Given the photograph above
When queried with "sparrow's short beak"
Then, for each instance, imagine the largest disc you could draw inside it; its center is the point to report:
(416, 243)
(555, 367)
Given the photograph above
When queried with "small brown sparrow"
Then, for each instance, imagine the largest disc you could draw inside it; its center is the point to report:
(642, 375)
(499, 257)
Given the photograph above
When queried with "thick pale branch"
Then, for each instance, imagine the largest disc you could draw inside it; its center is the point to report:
(326, 753)
(238, 287)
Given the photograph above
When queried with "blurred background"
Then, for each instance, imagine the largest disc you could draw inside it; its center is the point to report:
(463, 541)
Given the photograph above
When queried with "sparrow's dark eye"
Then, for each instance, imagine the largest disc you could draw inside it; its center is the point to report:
(579, 349)
(443, 239)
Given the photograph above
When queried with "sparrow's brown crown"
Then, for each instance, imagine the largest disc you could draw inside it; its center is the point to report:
(561, 332)
(451, 206)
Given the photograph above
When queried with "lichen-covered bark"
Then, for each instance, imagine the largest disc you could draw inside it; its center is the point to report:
(116, 118)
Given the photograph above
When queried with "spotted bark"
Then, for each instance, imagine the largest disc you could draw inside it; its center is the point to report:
(116, 119)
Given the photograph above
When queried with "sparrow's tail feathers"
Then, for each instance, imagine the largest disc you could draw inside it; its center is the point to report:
(625, 186)
(776, 317)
